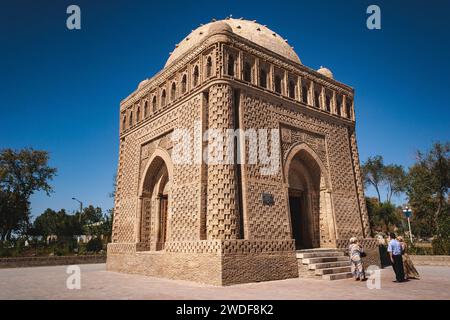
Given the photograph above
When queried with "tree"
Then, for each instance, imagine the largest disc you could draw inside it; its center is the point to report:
(57, 223)
(25, 171)
(373, 173)
(377, 174)
(394, 177)
(13, 213)
(22, 173)
(428, 186)
(107, 224)
(387, 213)
(372, 205)
(383, 216)
(91, 215)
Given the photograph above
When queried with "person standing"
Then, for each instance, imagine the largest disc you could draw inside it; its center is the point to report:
(408, 266)
(382, 249)
(395, 254)
(356, 251)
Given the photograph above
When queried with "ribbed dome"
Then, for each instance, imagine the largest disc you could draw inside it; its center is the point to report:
(251, 30)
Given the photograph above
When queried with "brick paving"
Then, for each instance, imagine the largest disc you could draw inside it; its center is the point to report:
(97, 283)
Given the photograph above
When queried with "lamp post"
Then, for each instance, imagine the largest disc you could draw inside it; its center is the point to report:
(407, 211)
(81, 211)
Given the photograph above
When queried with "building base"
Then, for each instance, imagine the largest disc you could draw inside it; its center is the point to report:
(214, 262)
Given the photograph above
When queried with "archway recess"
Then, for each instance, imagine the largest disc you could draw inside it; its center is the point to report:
(310, 209)
(155, 201)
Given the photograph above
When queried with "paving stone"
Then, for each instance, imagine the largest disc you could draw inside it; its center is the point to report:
(97, 283)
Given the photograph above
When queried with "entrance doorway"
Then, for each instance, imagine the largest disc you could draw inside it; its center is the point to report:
(304, 180)
(299, 221)
(155, 228)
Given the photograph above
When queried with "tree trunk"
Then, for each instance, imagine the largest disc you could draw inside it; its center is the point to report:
(378, 192)
(436, 218)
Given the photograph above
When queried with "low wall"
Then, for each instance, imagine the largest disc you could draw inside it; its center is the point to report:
(20, 262)
(431, 260)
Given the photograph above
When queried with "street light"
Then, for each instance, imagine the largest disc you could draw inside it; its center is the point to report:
(407, 211)
(81, 207)
(79, 218)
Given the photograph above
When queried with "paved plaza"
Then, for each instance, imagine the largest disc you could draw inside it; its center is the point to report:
(97, 283)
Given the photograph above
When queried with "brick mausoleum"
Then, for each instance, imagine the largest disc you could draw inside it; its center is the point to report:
(227, 223)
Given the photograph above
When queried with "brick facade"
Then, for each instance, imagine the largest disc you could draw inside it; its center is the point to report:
(217, 229)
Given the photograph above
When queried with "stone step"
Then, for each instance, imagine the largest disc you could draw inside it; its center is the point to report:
(304, 255)
(324, 265)
(318, 250)
(324, 259)
(320, 272)
(337, 276)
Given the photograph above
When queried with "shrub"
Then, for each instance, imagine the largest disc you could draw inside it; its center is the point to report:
(441, 246)
(421, 251)
(94, 245)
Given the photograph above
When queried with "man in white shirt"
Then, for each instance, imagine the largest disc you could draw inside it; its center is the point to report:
(395, 253)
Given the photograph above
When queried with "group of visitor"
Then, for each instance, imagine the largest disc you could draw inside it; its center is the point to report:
(396, 252)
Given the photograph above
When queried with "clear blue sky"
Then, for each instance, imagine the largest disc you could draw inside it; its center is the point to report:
(60, 90)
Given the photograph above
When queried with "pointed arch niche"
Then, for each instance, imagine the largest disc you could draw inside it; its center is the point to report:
(155, 202)
(310, 202)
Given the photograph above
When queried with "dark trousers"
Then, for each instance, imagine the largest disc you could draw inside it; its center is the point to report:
(398, 267)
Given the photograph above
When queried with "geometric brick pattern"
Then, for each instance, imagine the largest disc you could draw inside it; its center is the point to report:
(206, 224)
(222, 206)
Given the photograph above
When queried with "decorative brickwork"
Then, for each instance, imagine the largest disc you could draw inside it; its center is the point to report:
(222, 210)
(226, 223)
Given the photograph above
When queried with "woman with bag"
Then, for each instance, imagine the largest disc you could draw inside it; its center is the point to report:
(356, 253)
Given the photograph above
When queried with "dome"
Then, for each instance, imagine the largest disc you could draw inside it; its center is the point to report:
(250, 30)
(326, 72)
(142, 83)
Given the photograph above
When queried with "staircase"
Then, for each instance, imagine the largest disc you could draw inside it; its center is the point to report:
(330, 264)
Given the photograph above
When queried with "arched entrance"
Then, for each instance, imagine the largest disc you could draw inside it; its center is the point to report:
(309, 200)
(155, 202)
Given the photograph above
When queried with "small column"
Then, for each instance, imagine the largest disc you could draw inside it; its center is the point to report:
(270, 85)
(344, 106)
(285, 87)
(257, 72)
(333, 103)
(322, 99)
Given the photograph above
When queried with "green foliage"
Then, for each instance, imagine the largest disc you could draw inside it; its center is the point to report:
(102, 226)
(13, 213)
(441, 246)
(383, 216)
(64, 246)
(91, 215)
(395, 179)
(426, 185)
(414, 249)
(57, 223)
(94, 245)
(441, 243)
(22, 173)
(373, 173)
(427, 190)
(377, 175)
